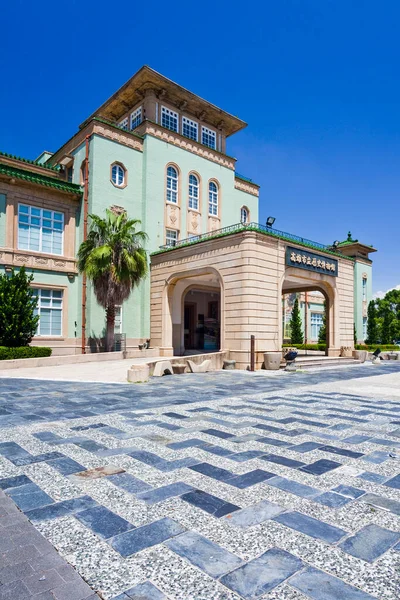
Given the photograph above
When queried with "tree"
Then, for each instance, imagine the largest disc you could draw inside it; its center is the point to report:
(113, 258)
(296, 327)
(386, 325)
(372, 325)
(18, 322)
(354, 334)
(322, 331)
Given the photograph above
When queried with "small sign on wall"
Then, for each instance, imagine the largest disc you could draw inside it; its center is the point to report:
(303, 259)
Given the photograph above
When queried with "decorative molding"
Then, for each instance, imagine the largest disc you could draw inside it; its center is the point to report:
(246, 186)
(45, 262)
(118, 136)
(149, 128)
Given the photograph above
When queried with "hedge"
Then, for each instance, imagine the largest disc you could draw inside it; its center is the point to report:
(24, 352)
(305, 346)
(373, 347)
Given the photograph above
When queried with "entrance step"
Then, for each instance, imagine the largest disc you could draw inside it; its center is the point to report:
(312, 362)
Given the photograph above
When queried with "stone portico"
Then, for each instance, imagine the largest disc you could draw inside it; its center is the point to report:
(248, 271)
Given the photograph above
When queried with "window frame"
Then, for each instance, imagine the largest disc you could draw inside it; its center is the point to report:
(133, 116)
(169, 231)
(192, 197)
(247, 220)
(170, 113)
(124, 124)
(364, 289)
(316, 322)
(213, 201)
(41, 218)
(192, 124)
(211, 133)
(43, 287)
(119, 165)
(169, 189)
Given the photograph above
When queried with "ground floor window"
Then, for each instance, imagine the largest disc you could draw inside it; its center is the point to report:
(316, 324)
(49, 308)
(364, 331)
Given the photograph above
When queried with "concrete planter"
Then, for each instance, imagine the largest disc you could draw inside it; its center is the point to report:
(360, 355)
(138, 373)
(346, 351)
(272, 360)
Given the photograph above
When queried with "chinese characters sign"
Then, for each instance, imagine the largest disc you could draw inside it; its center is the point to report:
(311, 262)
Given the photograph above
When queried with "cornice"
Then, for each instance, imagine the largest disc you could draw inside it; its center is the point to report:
(246, 186)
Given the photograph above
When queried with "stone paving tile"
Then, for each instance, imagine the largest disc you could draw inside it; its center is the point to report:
(188, 457)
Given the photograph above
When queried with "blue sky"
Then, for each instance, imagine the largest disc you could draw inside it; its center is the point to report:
(317, 81)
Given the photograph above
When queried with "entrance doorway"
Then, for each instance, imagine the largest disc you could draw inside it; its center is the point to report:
(202, 321)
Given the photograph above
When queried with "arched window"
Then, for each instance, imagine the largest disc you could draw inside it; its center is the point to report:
(244, 215)
(212, 198)
(193, 192)
(172, 185)
(118, 175)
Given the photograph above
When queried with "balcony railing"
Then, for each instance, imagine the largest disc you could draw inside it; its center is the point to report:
(248, 227)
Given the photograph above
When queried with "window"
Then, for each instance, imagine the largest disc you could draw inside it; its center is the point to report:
(70, 172)
(189, 129)
(124, 123)
(83, 172)
(49, 309)
(208, 137)
(364, 289)
(118, 320)
(169, 119)
(136, 117)
(171, 237)
(172, 185)
(316, 324)
(118, 175)
(364, 331)
(244, 215)
(193, 192)
(40, 230)
(212, 198)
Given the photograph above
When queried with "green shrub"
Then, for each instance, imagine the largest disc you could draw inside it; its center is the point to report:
(18, 322)
(24, 352)
(305, 346)
(372, 347)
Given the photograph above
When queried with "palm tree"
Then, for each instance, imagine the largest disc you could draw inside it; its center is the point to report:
(114, 259)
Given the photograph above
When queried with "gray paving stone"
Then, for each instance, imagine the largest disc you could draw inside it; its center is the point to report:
(15, 590)
(310, 526)
(381, 502)
(43, 581)
(370, 542)
(262, 574)
(208, 556)
(103, 522)
(164, 492)
(14, 572)
(317, 585)
(143, 537)
(145, 591)
(253, 515)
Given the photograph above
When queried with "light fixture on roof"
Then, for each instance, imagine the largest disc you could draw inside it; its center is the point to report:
(270, 221)
(335, 244)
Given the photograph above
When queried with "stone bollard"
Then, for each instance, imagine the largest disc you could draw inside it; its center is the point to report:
(272, 360)
(360, 355)
(346, 351)
(138, 373)
(229, 365)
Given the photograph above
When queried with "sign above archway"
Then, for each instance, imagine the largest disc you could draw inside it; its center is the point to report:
(303, 259)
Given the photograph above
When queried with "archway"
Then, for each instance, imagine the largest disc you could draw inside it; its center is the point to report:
(193, 315)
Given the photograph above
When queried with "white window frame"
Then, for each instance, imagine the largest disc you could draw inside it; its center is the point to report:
(124, 124)
(119, 168)
(317, 321)
(171, 193)
(40, 227)
(168, 114)
(38, 292)
(364, 327)
(205, 135)
(191, 125)
(118, 309)
(242, 211)
(213, 199)
(194, 193)
(136, 118)
(364, 289)
(171, 237)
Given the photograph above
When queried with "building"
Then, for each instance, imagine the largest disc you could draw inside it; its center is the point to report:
(157, 151)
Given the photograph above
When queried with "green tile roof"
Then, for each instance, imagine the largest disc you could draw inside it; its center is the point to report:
(33, 177)
(28, 161)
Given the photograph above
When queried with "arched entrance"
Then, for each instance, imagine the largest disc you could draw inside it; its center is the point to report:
(296, 281)
(193, 313)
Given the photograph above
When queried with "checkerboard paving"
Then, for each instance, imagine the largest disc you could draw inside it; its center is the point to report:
(287, 493)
